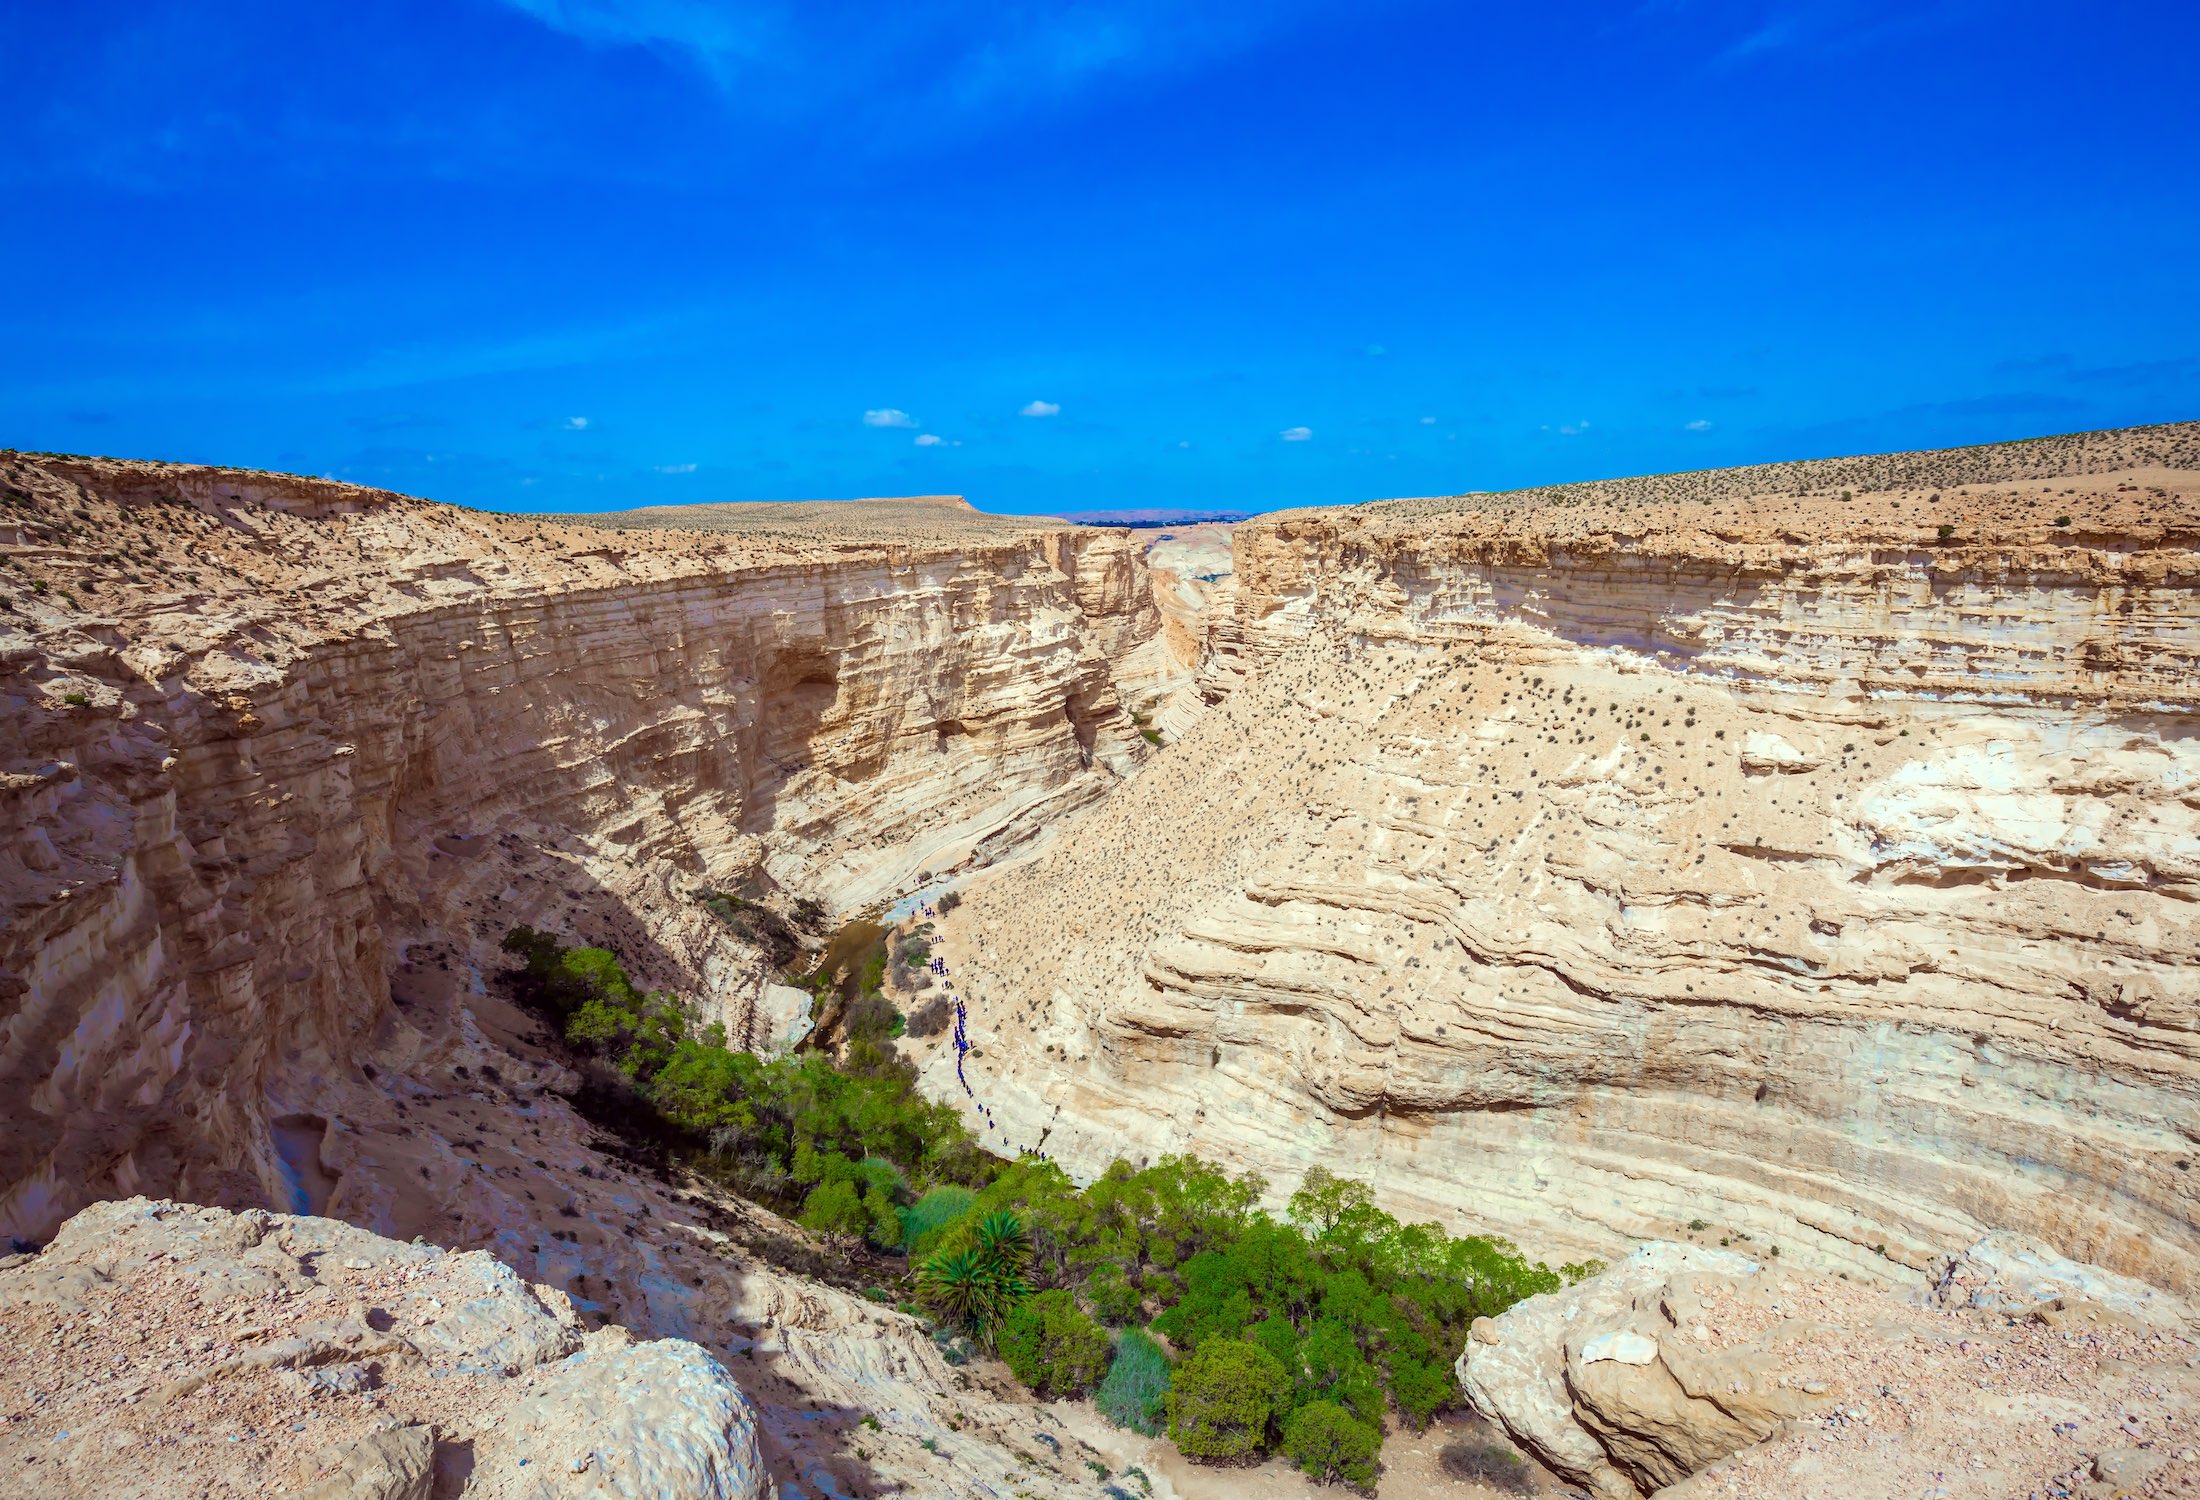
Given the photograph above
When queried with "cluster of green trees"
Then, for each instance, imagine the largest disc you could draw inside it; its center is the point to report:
(837, 1143)
(1294, 1335)
(1167, 1291)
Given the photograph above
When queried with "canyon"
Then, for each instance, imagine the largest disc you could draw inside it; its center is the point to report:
(1790, 862)
(1804, 854)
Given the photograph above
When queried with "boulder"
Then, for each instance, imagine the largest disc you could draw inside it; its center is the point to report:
(1610, 1383)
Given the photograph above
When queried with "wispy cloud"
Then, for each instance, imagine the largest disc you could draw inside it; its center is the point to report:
(675, 468)
(1041, 409)
(1699, 425)
(888, 416)
(720, 37)
(934, 440)
(1838, 26)
(2138, 373)
(784, 57)
(1296, 434)
(575, 424)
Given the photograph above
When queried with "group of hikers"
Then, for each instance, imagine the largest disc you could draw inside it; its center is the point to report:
(938, 966)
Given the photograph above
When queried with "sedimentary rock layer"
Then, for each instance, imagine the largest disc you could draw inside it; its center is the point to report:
(261, 734)
(1809, 851)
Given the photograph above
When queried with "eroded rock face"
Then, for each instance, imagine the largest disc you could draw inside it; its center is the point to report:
(159, 1348)
(288, 734)
(1580, 865)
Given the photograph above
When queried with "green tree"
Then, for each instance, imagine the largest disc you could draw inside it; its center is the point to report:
(1327, 1442)
(1053, 1346)
(835, 1210)
(1110, 1294)
(1223, 1400)
(978, 1283)
(1323, 1197)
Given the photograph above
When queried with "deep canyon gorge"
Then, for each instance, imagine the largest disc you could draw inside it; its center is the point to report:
(1796, 863)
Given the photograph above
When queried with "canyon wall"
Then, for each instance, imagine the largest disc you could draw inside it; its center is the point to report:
(1804, 857)
(263, 736)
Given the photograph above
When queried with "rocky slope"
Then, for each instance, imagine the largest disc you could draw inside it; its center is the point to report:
(1807, 852)
(254, 1354)
(282, 760)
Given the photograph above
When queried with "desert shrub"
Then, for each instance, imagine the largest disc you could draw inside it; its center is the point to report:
(772, 1127)
(924, 1221)
(1327, 1443)
(932, 1016)
(1110, 1294)
(835, 1210)
(1053, 1346)
(1135, 1392)
(1223, 1400)
(948, 902)
(1487, 1463)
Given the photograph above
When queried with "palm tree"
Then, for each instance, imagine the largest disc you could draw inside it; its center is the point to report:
(978, 1285)
(954, 1284)
(1000, 1238)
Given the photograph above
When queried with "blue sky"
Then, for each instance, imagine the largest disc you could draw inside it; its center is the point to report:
(580, 254)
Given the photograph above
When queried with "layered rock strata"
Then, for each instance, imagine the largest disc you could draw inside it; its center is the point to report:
(282, 760)
(261, 734)
(1193, 588)
(1808, 852)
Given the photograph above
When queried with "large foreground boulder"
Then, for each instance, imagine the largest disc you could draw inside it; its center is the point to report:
(1700, 1373)
(157, 1349)
(1613, 1382)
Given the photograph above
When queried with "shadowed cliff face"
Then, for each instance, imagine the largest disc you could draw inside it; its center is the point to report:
(1818, 868)
(265, 736)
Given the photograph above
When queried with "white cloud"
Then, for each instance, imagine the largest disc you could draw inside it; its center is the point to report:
(675, 468)
(888, 416)
(929, 440)
(1574, 429)
(1041, 409)
(1184, 442)
(1428, 421)
(1296, 434)
(576, 424)
(1699, 425)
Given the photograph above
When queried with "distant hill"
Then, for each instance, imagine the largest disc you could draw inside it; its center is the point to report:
(1154, 515)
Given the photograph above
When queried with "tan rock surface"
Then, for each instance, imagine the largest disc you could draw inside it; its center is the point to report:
(1689, 1372)
(1581, 864)
(158, 1349)
(332, 743)
(1192, 569)
(276, 730)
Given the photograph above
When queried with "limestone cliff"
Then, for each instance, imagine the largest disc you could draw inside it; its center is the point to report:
(262, 733)
(1808, 851)
(281, 760)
